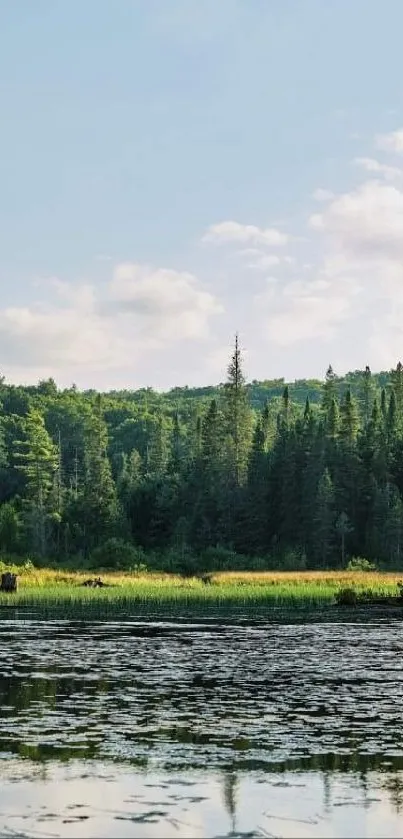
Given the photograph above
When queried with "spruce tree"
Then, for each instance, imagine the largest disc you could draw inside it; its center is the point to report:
(332, 423)
(329, 390)
(391, 418)
(367, 393)
(324, 520)
(384, 410)
(349, 419)
(396, 380)
(98, 498)
(238, 418)
(36, 457)
(158, 449)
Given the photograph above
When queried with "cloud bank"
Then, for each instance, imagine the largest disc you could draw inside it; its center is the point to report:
(328, 289)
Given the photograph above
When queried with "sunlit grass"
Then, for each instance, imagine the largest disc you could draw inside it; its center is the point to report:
(249, 590)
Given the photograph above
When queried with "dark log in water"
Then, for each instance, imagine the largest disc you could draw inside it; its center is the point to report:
(8, 582)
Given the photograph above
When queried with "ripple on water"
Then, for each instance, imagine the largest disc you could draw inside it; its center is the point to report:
(194, 695)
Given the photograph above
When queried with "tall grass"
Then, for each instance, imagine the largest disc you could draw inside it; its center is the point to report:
(139, 593)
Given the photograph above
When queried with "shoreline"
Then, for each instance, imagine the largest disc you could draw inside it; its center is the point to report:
(249, 595)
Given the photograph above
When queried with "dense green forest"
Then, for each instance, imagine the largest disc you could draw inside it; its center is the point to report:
(258, 475)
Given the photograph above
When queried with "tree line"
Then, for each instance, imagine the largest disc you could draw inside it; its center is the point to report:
(260, 475)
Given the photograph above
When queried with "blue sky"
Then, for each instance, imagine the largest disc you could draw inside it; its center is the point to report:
(174, 170)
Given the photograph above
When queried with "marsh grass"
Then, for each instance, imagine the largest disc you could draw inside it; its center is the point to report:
(251, 592)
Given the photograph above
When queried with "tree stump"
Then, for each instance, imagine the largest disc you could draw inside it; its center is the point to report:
(8, 582)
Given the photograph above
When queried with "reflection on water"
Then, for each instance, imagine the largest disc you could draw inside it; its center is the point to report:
(156, 729)
(72, 800)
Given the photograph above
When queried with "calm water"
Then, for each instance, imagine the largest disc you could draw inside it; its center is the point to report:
(147, 730)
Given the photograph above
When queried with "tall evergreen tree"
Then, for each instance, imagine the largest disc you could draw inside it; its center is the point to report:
(349, 419)
(329, 391)
(158, 449)
(396, 379)
(324, 522)
(333, 420)
(98, 497)
(36, 457)
(238, 418)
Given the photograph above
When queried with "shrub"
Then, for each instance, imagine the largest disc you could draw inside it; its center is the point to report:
(118, 555)
(357, 563)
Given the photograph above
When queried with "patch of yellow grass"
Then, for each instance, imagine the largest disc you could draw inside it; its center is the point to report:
(366, 579)
(329, 579)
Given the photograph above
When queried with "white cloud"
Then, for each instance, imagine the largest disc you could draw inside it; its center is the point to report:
(167, 300)
(390, 173)
(342, 289)
(232, 232)
(263, 262)
(260, 260)
(392, 142)
(365, 222)
(307, 317)
(353, 297)
(140, 310)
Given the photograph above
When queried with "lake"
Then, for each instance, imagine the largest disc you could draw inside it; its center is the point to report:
(140, 729)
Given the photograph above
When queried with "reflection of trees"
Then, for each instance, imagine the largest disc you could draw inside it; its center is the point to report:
(393, 783)
(20, 694)
(127, 719)
(230, 790)
(327, 792)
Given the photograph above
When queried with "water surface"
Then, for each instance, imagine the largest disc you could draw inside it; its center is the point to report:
(150, 729)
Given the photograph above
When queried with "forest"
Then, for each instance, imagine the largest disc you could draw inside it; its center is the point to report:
(260, 475)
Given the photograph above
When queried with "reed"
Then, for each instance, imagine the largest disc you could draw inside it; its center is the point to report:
(142, 593)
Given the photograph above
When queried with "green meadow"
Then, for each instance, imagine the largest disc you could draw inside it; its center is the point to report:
(142, 594)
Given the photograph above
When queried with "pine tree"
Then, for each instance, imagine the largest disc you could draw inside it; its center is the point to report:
(177, 456)
(99, 498)
(313, 469)
(10, 528)
(384, 410)
(238, 418)
(349, 419)
(158, 449)
(257, 508)
(130, 475)
(367, 395)
(333, 420)
(391, 418)
(212, 442)
(208, 493)
(285, 411)
(323, 536)
(369, 446)
(393, 527)
(36, 457)
(343, 527)
(3, 448)
(329, 391)
(396, 380)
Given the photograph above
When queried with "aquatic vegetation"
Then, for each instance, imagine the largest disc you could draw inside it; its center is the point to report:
(249, 591)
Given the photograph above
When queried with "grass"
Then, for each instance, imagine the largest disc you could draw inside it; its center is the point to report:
(249, 592)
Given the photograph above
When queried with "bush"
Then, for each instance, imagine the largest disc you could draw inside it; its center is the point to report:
(116, 554)
(357, 563)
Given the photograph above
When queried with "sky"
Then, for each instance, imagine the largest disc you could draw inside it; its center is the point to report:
(174, 172)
